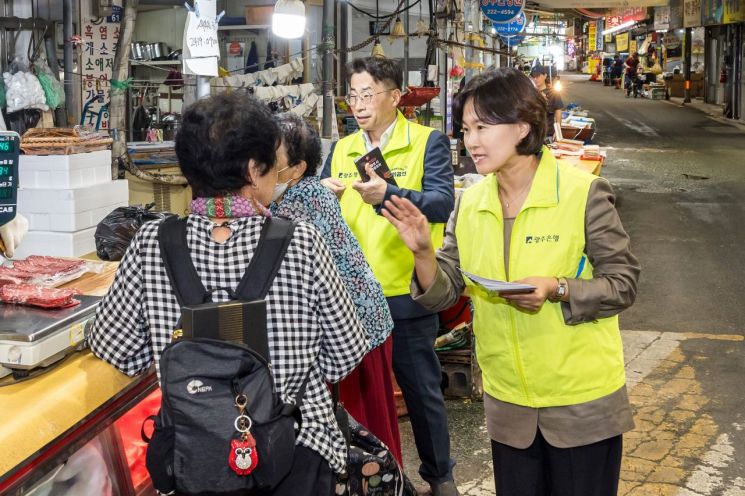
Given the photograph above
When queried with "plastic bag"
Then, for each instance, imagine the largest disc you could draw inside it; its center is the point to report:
(54, 90)
(23, 91)
(116, 231)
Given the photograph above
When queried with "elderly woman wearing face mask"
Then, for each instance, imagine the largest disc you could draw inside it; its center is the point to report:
(367, 393)
(227, 150)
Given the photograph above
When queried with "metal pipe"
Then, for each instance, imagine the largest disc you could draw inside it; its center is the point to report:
(69, 64)
(740, 32)
(3, 43)
(736, 70)
(443, 76)
(24, 23)
(51, 51)
(687, 66)
(345, 12)
(406, 44)
(162, 2)
(328, 42)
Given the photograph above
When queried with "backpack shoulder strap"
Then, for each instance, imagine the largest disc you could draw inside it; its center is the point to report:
(180, 269)
(275, 237)
(276, 234)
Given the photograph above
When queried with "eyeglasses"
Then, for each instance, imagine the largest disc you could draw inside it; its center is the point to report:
(365, 98)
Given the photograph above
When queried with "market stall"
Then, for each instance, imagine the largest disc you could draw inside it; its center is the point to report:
(59, 405)
(64, 405)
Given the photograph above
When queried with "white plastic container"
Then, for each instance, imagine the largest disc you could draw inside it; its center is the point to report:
(57, 244)
(72, 201)
(69, 222)
(65, 171)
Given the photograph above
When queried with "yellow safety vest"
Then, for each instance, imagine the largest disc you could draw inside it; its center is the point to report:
(391, 262)
(536, 360)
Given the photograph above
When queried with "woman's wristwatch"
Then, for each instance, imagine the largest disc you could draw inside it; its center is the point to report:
(561, 290)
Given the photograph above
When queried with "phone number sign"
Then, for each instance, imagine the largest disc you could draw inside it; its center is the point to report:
(502, 10)
(515, 26)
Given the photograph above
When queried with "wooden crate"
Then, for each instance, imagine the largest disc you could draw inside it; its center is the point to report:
(461, 374)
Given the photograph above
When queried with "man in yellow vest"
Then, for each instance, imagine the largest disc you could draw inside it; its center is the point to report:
(419, 159)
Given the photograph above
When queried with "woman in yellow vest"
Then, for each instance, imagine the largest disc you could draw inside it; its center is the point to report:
(552, 359)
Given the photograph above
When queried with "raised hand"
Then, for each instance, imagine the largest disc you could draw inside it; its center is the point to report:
(336, 186)
(411, 224)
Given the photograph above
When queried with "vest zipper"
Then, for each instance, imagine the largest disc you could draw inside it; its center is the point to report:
(517, 357)
(515, 340)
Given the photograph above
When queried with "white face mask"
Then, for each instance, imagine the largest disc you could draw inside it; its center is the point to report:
(280, 188)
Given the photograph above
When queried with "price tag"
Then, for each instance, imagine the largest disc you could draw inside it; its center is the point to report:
(77, 333)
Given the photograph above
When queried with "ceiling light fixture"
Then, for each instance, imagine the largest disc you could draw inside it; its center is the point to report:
(288, 20)
(377, 50)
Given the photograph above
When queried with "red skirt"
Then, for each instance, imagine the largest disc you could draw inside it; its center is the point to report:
(367, 394)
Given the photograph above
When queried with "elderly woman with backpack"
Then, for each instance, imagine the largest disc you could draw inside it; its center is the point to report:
(227, 150)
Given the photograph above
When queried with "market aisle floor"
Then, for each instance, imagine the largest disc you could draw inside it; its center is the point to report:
(680, 179)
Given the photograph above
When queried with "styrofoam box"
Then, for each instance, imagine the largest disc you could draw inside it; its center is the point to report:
(69, 222)
(57, 244)
(72, 201)
(65, 171)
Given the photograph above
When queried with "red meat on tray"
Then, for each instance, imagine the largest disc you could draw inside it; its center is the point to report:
(38, 296)
(48, 266)
(10, 275)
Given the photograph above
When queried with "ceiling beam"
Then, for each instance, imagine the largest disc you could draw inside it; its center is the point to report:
(594, 4)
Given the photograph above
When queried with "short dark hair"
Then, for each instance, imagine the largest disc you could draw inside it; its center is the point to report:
(219, 135)
(538, 69)
(381, 69)
(301, 141)
(506, 96)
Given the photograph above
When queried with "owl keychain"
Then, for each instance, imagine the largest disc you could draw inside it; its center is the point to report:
(243, 457)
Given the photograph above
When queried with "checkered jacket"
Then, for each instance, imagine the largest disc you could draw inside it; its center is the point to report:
(311, 319)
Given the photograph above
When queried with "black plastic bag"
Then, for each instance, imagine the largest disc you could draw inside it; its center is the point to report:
(116, 231)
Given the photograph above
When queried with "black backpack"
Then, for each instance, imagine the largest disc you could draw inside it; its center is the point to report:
(214, 387)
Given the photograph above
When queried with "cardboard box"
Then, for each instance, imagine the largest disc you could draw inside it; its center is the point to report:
(259, 14)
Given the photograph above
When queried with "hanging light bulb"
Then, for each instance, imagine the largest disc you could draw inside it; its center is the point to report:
(288, 20)
(377, 50)
(398, 30)
(421, 27)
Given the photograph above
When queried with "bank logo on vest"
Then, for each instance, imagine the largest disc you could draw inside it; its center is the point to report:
(534, 240)
(197, 386)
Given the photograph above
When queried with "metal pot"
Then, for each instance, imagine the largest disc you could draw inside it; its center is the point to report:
(147, 51)
(159, 50)
(136, 50)
(171, 125)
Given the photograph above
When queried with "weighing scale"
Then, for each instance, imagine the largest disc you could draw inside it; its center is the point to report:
(9, 149)
(10, 145)
(33, 337)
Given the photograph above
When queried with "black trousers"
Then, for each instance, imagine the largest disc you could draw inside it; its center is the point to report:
(543, 470)
(419, 376)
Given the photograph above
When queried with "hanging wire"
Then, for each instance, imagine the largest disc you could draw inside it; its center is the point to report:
(377, 16)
